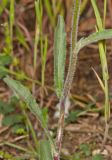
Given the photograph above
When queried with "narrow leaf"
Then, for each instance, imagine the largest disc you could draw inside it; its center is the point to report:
(39, 12)
(101, 44)
(59, 56)
(25, 94)
(97, 14)
(95, 37)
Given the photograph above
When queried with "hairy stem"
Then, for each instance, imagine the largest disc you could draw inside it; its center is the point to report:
(70, 75)
(73, 54)
(60, 129)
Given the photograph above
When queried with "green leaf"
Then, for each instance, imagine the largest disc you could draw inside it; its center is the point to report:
(45, 150)
(97, 15)
(39, 13)
(95, 37)
(103, 58)
(25, 94)
(12, 119)
(59, 56)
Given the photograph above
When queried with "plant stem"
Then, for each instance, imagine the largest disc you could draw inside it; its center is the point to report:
(43, 58)
(11, 21)
(106, 77)
(104, 64)
(105, 11)
(70, 74)
(73, 55)
(60, 125)
(107, 112)
(35, 47)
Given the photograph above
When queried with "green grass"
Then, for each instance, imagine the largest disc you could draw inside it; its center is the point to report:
(102, 52)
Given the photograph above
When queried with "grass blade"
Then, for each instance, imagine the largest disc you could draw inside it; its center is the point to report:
(97, 14)
(104, 65)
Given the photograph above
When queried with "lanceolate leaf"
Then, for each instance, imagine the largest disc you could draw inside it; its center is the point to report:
(101, 35)
(59, 56)
(25, 94)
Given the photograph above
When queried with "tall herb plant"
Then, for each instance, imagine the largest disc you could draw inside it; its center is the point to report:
(50, 149)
